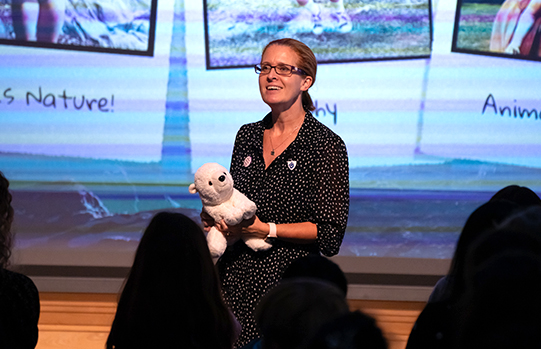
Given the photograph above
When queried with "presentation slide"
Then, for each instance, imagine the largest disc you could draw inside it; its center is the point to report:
(105, 126)
(478, 106)
(58, 102)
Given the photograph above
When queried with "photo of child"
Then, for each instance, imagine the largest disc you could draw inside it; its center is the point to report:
(336, 30)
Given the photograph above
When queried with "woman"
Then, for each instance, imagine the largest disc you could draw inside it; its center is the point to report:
(296, 171)
(172, 297)
(19, 297)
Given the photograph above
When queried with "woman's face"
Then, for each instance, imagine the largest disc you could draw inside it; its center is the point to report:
(278, 91)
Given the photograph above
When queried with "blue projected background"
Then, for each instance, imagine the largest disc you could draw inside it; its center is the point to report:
(94, 143)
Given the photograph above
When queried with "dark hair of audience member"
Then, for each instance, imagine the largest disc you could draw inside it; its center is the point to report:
(6, 218)
(522, 196)
(317, 266)
(485, 217)
(503, 204)
(520, 231)
(354, 330)
(290, 314)
(172, 297)
(19, 297)
(501, 305)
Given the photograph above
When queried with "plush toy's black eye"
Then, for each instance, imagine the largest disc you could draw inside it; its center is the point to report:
(210, 183)
(222, 178)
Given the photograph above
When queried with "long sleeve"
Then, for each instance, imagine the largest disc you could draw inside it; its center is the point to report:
(331, 201)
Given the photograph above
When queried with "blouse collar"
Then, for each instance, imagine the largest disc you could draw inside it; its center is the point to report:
(298, 141)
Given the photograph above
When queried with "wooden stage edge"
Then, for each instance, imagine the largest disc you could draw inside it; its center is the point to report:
(83, 320)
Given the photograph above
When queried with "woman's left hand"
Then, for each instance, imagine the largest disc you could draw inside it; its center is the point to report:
(252, 227)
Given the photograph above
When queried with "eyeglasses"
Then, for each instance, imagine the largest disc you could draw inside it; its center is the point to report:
(280, 69)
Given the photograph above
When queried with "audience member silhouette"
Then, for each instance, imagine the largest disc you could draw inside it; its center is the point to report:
(290, 314)
(485, 217)
(354, 330)
(312, 266)
(19, 297)
(436, 326)
(501, 305)
(172, 298)
(319, 267)
(522, 196)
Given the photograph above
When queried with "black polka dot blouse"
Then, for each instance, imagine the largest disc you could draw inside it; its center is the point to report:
(308, 182)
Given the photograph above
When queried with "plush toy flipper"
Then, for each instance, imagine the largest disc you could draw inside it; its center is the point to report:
(245, 206)
(250, 210)
(216, 242)
(233, 211)
(256, 244)
(216, 212)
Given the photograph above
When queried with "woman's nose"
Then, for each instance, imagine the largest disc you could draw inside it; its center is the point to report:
(272, 74)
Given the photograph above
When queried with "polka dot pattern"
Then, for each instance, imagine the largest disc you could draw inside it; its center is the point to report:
(308, 182)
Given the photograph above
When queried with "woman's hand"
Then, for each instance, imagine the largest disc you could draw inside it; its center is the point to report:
(207, 220)
(252, 227)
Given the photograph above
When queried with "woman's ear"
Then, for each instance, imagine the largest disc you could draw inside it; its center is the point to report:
(307, 83)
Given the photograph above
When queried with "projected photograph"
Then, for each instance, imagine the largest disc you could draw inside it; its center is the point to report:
(124, 26)
(510, 28)
(336, 30)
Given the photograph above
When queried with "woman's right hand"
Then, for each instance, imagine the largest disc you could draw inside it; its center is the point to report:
(207, 220)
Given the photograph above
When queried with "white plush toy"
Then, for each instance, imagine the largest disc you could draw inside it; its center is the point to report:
(221, 201)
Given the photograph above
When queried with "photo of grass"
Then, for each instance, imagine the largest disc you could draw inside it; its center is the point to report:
(359, 30)
(510, 28)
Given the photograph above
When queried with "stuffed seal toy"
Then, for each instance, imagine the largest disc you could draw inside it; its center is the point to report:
(221, 201)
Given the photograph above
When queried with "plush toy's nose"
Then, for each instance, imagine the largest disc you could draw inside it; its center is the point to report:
(221, 178)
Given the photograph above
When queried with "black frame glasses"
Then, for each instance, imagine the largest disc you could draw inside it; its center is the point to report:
(280, 69)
